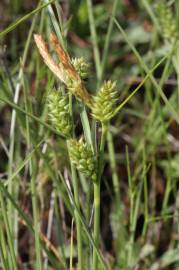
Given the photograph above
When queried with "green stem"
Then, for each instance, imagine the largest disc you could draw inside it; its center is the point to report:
(101, 151)
(8, 231)
(94, 37)
(76, 197)
(88, 201)
(96, 221)
(36, 221)
(3, 246)
(13, 135)
(112, 158)
(97, 196)
(107, 39)
(33, 173)
(77, 219)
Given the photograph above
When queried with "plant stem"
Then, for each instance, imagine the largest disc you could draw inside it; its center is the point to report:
(97, 185)
(107, 39)
(96, 221)
(13, 133)
(112, 159)
(94, 37)
(9, 233)
(32, 172)
(76, 197)
(101, 151)
(78, 223)
(3, 246)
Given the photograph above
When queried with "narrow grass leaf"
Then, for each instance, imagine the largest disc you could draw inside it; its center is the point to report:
(144, 66)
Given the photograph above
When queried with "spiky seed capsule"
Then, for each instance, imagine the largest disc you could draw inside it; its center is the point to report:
(81, 66)
(82, 156)
(104, 102)
(58, 112)
(167, 21)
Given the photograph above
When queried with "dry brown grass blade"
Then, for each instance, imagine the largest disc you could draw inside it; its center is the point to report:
(65, 69)
(44, 52)
(81, 91)
(64, 57)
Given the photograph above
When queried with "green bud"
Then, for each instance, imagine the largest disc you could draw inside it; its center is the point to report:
(81, 67)
(167, 21)
(82, 156)
(104, 102)
(58, 112)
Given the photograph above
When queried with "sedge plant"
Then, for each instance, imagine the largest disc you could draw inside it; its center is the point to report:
(79, 189)
(101, 107)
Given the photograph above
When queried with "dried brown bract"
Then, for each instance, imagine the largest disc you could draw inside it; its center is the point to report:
(65, 71)
(43, 50)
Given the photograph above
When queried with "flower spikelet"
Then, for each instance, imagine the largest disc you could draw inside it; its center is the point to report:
(81, 66)
(58, 112)
(83, 158)
(104, 102)
(167, 21)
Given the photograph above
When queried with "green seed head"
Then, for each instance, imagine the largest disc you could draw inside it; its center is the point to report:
(58, 112)
(104, 102)
(167, 21)
(81, 66)
(82, 156)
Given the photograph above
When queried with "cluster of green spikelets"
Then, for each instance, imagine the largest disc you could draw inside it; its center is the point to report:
(81, 66)
(167, 21)
(102, 109)
(104, 102)
(82, 156)
(58, 111)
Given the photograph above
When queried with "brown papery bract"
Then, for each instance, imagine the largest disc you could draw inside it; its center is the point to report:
(43, 50)
(65, 71)
(64, 57)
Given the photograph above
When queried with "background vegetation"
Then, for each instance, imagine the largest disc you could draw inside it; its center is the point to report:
(123, 40)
